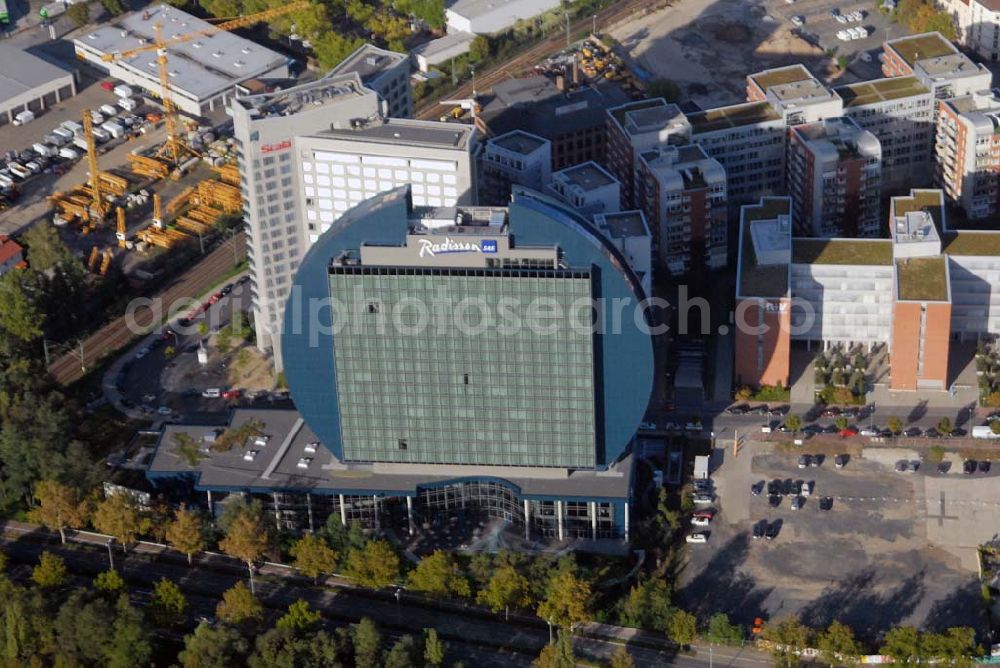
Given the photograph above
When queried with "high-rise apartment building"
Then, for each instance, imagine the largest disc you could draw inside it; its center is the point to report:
(794, 93)
(683, 194)
(635, 127)
(515, 158)
(968, 153)
(310, 153)
(385, 72)
(834, 171)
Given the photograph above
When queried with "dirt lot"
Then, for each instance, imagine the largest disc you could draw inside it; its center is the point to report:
(888, 553)
(709, 49)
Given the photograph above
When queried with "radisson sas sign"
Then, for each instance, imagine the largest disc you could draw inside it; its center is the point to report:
(430, 248)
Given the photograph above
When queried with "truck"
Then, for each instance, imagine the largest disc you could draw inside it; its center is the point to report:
(108, 110)
(64, 133)
(113, 129)
(80, 143)
(128, 104)
(24, 117)
(101, 135)
(701, 467)
(122, 91)
(984, 431)
(68, 153)
(56, 140)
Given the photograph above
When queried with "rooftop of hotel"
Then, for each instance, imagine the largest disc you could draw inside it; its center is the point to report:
(915, 48)
(763, 280)
(623, 224)
(986, 244)
(780, 76)
(733, 116)
(519, 141)
(879, 90)
(842, 251)
(587, 176)
(922, 279)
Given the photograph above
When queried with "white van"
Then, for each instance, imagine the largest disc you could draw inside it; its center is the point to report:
(108, 110)
(19, 170)
(24, 117)
(56, 140)
(101, 135)
(97, 117)
(43, 149)
(114, 129)
(64, 133)
(212, 393)
(68, 153)
(128, 104)
(72, 126)
(121, 90)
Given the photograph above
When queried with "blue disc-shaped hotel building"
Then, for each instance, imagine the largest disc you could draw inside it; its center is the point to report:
(462, 360)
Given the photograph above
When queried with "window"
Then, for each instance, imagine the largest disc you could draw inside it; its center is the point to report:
(402, 444)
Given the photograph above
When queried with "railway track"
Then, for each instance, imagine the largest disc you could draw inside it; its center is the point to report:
(118, 333)
(533, 55)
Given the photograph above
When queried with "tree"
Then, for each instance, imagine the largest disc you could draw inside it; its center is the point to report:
(209, 647)
(168, 606)
(19, 315)
(300, 617)
(45, 248)
(838, 646)
(841, 423)
(119, 516)
(313, 557)
(375, 565)
(995, 427)
(331, 48)
(647, 605)
(902, 644)
(558, 655)
(664, 88)
(59, 506)
(187, 532)
(109, 582)
(789, 636)
(343, 539)
(80, 629)
(281, 647)
(620, 658)
(239, 606)
(567, 601)
(682, 627)
(404, 654)
(480, 49)
(506, 589)
(895, 425)
(367, 644)
(944, 425)
(723, 632)
(793, 422)
(129, 644)
(434, 649)
(246, 539)
(114, 7)
(79, 14)
(437, 575)
(50, 571)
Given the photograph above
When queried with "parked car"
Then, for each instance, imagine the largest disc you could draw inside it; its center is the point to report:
(757, 488)
(914, 432)
(840, 461)
(912, 466)
(958, 432)
(797, 502)
(774, 500)
(759, 529)
(807, 488)
(870, 431)
(826, 503)
(739, 409)
(232, 394)
(804, 461)
(697, 538)
(969, 466)
(212, 393)
(164, 410)
(707, 513)
(984, 466)
(772, 530)
(703, 498)
(798, 20)
(817, 461)
(848, 432)
(700, 521)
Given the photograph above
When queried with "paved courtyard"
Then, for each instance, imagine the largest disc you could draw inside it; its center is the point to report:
(895, 549)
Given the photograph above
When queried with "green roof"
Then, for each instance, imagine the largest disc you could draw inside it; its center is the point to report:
(879, 90)
(768, 280)
(931, 201)
(842, 251)
(972, 243)
(780, 76)
(731, 117)
(920, 47)
(922, 279)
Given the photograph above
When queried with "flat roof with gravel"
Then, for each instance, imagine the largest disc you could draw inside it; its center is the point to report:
(879, 90)
(842, 251)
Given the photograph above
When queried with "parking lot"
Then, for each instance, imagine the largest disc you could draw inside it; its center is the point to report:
(894, 549)
(821, 27)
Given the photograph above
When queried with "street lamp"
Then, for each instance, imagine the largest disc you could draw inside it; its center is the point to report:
(111, 556)
(593, 25)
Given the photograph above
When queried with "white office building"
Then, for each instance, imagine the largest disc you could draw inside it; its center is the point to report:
(588, 188)
(310, 153)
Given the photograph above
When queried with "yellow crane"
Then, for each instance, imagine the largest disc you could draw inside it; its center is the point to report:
(174, 148)
(99, 206)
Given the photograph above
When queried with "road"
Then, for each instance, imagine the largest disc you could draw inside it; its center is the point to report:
(469, 632)
(115, 335)
(533, 55)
